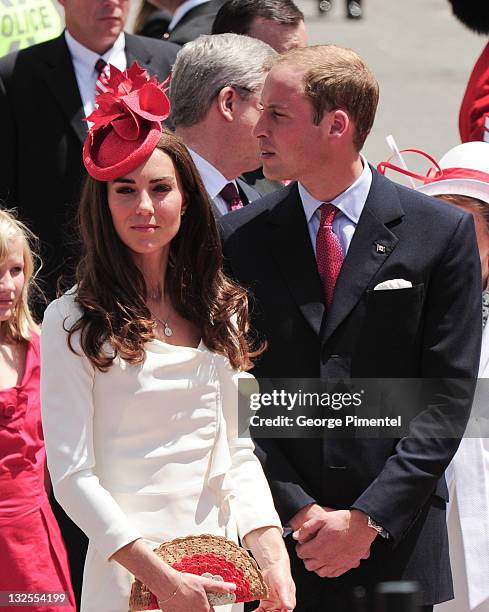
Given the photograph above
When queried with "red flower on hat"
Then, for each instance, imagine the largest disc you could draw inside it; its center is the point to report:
(130, 95)
(127, 122)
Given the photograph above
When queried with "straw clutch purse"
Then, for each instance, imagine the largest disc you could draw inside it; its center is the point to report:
(211, 556)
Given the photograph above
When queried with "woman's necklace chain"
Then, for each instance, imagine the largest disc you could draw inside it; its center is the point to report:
(156, 295)
(167, 330)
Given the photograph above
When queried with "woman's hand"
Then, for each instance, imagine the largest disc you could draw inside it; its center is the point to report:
(281, 588)
(176, 591)
(268, 548)
(191, 593)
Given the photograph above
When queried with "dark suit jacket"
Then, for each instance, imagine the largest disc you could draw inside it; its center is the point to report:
(156, 25)
(431, 330)
(247, 194)
(258, 181)
(195, 22)
(42, 127)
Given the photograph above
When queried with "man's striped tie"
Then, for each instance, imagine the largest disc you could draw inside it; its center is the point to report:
(102, 70)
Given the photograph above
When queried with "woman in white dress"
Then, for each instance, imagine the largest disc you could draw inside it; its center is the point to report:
(140, 363)
(464, 182)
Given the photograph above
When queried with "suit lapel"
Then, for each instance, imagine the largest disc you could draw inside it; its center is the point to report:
(291, 248)
(370, 247)
(136, 51)
(60, 78)
(246, 192)
(206, 8)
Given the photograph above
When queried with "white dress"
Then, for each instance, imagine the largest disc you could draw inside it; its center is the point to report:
(146, 450)
(468, 511)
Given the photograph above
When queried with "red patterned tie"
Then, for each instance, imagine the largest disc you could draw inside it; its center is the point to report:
(329, 253)
(102, 70)
(230, 195)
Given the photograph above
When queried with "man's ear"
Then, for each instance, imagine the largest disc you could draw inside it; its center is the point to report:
(339, 123)
(226, 103)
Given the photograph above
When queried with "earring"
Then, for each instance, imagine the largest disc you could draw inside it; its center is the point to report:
(182, 212)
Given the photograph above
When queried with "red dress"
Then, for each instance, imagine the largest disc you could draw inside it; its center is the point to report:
(32, 553)
(475, 104)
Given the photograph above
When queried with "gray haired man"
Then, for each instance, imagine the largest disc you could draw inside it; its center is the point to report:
(215, 99)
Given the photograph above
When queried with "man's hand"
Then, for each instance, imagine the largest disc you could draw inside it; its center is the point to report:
(306, 514)
(335, 542)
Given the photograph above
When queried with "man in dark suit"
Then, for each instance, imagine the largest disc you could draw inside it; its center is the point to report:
(279, 23)
(362, 510)
(191, 18)
(152, 22)
(45, 93)
(214, 94)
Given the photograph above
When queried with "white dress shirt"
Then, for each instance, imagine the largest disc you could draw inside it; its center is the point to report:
(182, 10)
(84, 61)
(350, 204)
(213, 181)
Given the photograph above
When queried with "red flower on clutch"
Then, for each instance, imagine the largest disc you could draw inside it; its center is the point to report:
(213, 557)
(220, 566)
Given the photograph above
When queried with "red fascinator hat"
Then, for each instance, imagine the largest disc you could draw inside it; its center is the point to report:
(126, 123)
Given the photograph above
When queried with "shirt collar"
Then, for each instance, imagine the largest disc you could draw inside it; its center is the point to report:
(86, 58)
(213, 180)
(182, 10)
(350, 202)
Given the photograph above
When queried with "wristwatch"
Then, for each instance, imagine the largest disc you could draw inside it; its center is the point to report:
(380, 530)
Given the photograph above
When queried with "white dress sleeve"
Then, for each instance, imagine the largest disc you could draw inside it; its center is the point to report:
(251, 501)
(67, 417)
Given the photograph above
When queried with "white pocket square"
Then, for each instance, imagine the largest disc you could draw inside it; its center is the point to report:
(395, 283)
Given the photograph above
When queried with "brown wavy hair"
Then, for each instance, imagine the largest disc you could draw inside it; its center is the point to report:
(112, 293)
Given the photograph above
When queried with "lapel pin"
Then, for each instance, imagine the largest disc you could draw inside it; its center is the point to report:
(380, 248)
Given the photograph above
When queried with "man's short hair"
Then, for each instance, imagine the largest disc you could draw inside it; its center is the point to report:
(337, 78)
(238, 15)
(207, 64)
